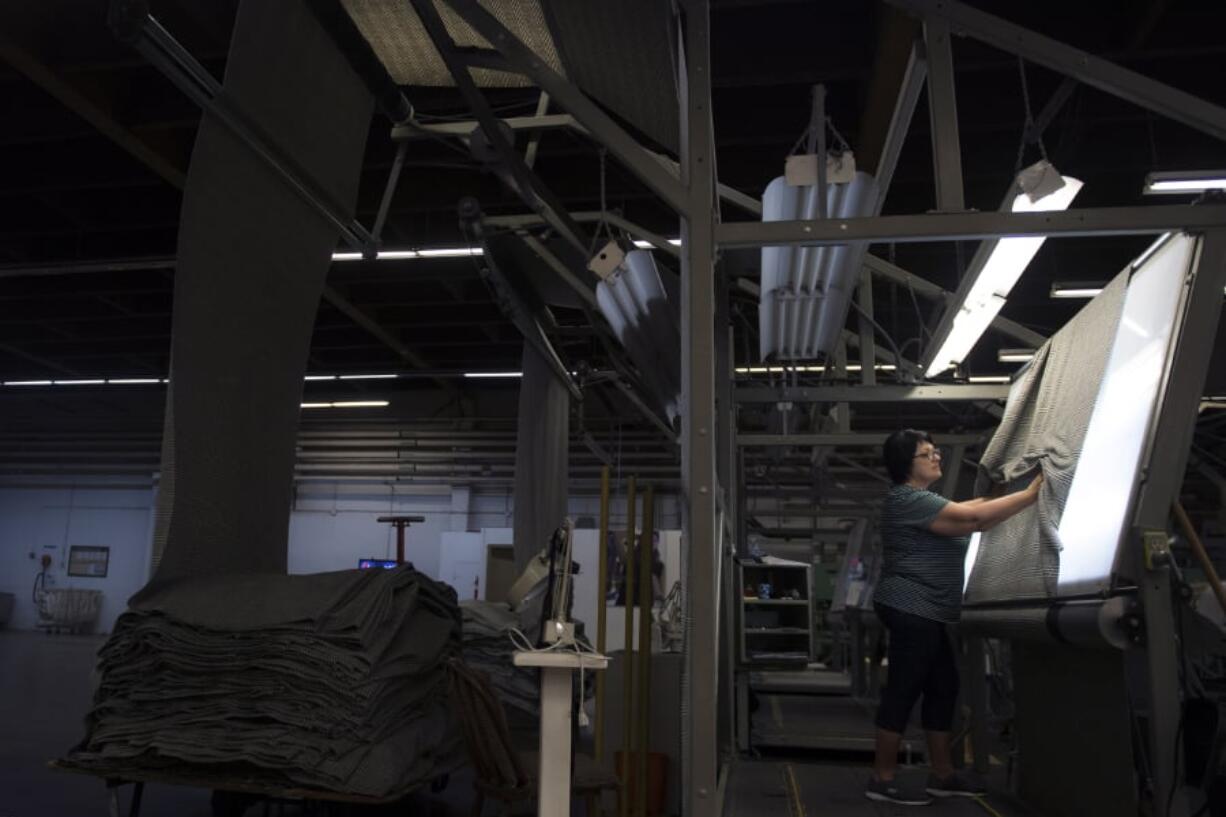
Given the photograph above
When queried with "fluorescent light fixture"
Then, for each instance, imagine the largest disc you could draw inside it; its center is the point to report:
(1076, 290)
(320, 377)
(998, 264)
(493, 374)
(347, 404)
(404, 255)
(77, 382)
(1014, 355)
(851, 367)
(27, 382)
(969, 324)
(367, 377)
(1184, 182)
(450, 252)
(133, 381)
(647, 245)
(988, 378)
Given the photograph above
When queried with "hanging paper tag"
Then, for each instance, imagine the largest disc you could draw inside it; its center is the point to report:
(802, 170)
(1039, 180)
(607, 260)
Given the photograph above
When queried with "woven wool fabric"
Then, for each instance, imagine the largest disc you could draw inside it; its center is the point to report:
(332, 681)
(542, 451)
(252, 257)
(1043, 427)
(401, 43)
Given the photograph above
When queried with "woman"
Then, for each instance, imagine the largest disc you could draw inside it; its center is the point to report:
(924, 538)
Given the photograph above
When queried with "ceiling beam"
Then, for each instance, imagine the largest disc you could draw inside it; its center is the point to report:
(927, 227)
(1085, 67)
(925, 288)
(95, 107)
(870, 394)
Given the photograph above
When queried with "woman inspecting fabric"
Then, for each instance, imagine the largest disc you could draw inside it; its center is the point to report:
(924, 537)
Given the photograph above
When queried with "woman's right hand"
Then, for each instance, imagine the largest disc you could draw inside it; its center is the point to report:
(1035, 484)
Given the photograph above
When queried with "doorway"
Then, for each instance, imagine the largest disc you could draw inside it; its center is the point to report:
(499, 572)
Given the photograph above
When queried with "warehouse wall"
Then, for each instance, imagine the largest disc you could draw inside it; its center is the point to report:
(49, 520)
(331, 526)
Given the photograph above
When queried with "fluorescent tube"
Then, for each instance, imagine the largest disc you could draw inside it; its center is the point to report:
(998, 264)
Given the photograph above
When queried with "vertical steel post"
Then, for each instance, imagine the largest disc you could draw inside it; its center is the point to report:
(602, 593)
(868, 343)
(943, 114)
(1163, 465)
(643, 680)
(626, 770)
(698, 754)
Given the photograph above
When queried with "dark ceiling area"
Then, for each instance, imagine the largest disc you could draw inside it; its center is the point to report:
(96, 146)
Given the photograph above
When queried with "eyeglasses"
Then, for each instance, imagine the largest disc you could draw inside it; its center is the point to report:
(934, 454)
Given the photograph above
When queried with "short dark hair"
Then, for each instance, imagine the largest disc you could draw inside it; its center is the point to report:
(899, 452)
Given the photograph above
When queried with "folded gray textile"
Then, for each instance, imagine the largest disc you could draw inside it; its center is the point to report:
(488, 646)
(1043, 427)
(330, 681)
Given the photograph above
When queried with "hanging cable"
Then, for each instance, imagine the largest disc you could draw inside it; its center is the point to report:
(898, 362)
(602, 227)
(1029, 133)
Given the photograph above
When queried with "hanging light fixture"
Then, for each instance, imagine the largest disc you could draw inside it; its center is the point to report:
(997, 266)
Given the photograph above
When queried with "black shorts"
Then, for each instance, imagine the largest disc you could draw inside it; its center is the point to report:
(922, 663)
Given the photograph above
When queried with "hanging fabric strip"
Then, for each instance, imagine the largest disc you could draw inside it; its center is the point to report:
(252, 259)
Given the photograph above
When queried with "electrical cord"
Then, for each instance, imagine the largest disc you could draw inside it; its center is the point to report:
(898, 361)
(1183, 683)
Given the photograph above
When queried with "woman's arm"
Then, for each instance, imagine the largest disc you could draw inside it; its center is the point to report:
(963, 518)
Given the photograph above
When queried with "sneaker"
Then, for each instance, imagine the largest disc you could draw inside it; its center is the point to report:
(954, 786)
(888, 791)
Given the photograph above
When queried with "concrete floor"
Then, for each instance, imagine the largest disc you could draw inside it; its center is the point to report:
(833, 789)
(45, 690)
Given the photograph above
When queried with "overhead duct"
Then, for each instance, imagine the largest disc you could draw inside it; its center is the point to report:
(634, 301)
(806, 291)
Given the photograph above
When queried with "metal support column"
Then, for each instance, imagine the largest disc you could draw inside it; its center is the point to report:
(725, 461)
(699, 761)
(1163, 468)
(953, 471)
(975, 697)
(900, 123)
(868, 345)
(943, 114)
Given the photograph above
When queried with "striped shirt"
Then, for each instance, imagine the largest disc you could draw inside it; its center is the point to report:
(921, 571)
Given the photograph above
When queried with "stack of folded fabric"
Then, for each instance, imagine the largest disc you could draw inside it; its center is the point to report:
(489, 647)
(331, 681)
(493, 632)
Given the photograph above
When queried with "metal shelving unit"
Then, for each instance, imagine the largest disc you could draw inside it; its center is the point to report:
(776, 631)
